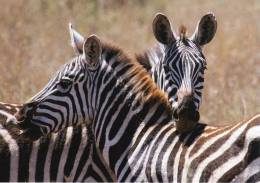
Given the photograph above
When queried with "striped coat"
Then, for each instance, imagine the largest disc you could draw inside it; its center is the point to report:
(131, 121)
(65, 156)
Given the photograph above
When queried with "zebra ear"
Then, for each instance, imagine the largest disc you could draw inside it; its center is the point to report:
(162, 29)
(76, 39)
(92, 50)
(205, 30)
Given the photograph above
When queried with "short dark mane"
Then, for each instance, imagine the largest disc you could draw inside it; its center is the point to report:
(143, 59)
(150, 57)
(182, 32)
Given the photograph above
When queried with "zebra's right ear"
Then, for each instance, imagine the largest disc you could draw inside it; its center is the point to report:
(92, 51)
(162, 29)
(76, 39)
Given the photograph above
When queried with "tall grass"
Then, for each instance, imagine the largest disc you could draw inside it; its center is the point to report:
(34, 43)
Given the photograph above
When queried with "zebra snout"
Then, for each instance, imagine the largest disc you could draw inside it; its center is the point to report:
(28, 109)
(187, 108)
(186, 115)
(31, 133)
(25, 114)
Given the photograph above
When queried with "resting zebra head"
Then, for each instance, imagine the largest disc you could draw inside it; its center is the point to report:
(65, 100)
(180, 65)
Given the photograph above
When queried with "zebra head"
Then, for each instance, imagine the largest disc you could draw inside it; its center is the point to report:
(65, 100)
(180, 70)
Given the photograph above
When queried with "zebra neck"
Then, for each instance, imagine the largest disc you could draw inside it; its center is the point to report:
(125, 98)
(122, 124)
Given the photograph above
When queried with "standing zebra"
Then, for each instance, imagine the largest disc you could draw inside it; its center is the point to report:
(64, 156)
(177, 66)
(130, 119)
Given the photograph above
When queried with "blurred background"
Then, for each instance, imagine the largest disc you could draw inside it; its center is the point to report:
(34, 43)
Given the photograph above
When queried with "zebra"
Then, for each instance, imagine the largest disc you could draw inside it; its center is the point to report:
(65, 156)
(177, 65)
(131, 122)
(180, 71)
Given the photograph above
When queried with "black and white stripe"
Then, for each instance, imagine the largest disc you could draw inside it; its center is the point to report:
(177, 66)
(65, 156)
(133, 129)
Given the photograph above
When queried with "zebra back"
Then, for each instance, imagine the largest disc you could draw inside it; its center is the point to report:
(208, 154)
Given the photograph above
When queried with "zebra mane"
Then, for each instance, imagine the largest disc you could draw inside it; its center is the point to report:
(151, 57)
(11, 127)
(8, 121)
(143, 59)
(182, 32)
(141, 80)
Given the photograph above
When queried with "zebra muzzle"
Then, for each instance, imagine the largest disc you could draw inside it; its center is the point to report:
(186, 119)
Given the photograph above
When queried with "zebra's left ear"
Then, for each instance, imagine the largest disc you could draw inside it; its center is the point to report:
(92, 51)
(76, 39)
(205, 30)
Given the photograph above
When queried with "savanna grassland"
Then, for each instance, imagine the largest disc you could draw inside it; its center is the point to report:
(34, 43)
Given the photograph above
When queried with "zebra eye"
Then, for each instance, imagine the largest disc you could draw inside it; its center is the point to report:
(65, 83)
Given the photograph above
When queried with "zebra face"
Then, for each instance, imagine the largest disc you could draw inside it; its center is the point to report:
(180, 72)
(65, 100)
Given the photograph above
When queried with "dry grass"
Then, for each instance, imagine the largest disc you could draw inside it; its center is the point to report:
(35, 42)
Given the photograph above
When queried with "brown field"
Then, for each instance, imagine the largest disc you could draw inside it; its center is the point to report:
(34, 43)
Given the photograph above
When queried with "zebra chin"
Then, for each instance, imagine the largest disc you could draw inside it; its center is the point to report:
(185, 126)
(185, 113)
(186, 119)
(30, 132)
